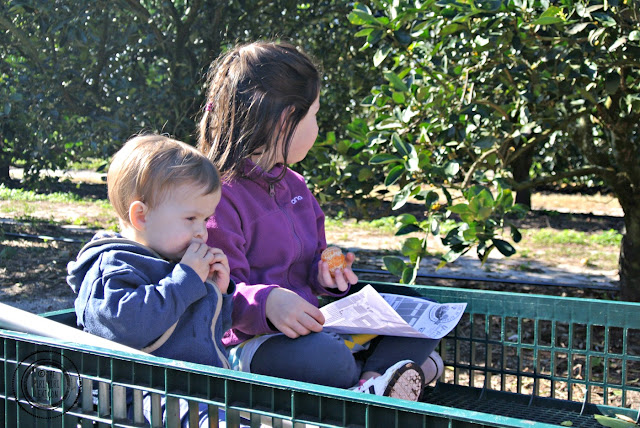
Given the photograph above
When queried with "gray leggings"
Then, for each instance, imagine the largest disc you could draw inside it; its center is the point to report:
(323, 358)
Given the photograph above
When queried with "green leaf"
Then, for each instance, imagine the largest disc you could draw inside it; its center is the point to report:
(451, 256)
(459, 209)
(470, 234)
(430, 199)
(393, 175)
(572, 31)
(364, 32)
(403, 148)
(551, 11)
(547, 20)
(395, 81)
(451, 169)
(389, 123)
(380, 55)
(395, 265)
(504, 247)
(634, 36)
(408, 228)
(365, 174)
(566, 423)
(612, 83)
(605, 19)
(484, 213)
(614, 422)
(515, 234)
(485, 142)
(621, 41)
(451, 29)
(505, 199)
(400, 198)
(382, 158)
(406, 218)
(403, 37)
(412, 247)
(375, 36)
(360, 17)
(408, 276)
(398, 97)
(587, 95)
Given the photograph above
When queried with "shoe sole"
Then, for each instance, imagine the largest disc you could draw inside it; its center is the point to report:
(406, 383)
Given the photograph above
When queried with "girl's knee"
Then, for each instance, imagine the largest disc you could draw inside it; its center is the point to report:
(340, 367)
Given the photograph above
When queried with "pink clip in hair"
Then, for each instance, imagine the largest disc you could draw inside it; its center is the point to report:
(209, 107)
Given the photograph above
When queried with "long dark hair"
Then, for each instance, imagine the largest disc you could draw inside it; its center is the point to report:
(257, 93)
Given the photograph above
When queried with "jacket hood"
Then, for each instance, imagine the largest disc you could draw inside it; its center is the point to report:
(101, 242)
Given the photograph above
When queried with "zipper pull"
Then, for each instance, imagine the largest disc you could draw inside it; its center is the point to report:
(272, 190)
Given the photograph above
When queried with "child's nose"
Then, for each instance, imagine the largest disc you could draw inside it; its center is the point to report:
(201, 232)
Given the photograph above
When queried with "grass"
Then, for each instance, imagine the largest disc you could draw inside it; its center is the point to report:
(56, 208)
(7, 194)
(548, 236)
(381, 225)
(91, 164)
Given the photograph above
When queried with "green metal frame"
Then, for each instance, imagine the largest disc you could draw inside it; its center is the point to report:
(505, 361)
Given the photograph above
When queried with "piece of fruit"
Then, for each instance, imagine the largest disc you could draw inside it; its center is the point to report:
(334, 258)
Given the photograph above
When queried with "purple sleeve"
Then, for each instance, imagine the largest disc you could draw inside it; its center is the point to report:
(318, 289)
(249, 300)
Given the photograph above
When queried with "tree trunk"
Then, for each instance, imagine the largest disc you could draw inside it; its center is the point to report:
(629, 261)
(521, 167)
(5, 161)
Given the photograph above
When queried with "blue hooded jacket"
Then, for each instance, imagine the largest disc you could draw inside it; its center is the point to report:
(129, 294)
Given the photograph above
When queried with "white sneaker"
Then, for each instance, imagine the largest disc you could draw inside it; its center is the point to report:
(403, 380)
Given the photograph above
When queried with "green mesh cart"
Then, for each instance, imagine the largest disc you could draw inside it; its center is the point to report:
(513, 361)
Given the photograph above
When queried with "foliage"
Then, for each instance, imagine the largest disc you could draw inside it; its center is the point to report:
(78, 78)
(474, 88)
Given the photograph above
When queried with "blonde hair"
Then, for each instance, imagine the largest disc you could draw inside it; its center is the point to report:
(257, 94)
(147, 167)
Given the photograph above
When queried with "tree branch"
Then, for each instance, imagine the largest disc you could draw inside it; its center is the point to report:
(603, 172)
(24, 44)
(474, 166)
(194, 8)
(494, 106)
(141, 12)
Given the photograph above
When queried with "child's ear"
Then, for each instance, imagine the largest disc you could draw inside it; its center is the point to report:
(138, 214)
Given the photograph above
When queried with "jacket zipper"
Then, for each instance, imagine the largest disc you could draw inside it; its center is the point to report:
(272, 192)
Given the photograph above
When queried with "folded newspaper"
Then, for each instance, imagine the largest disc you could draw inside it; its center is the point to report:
(368, 311)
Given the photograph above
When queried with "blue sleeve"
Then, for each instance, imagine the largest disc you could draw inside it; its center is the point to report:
(227, 306)
(126, 307)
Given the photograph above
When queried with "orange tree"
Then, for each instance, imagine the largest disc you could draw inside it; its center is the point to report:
(473, 87)
(78, 78)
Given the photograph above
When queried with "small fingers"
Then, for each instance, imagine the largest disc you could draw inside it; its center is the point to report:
(325, 275)
(340, 281)
(351, 277)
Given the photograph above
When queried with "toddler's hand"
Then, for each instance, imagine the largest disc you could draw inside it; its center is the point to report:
(291, 314)
(199, 258)
(219, 271)
(341, 277)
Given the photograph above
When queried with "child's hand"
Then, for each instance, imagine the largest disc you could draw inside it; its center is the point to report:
(341, 278)
(199, 258)
(291, 314)
(219, 271)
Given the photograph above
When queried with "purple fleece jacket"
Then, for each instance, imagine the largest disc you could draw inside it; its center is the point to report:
(273, 235)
